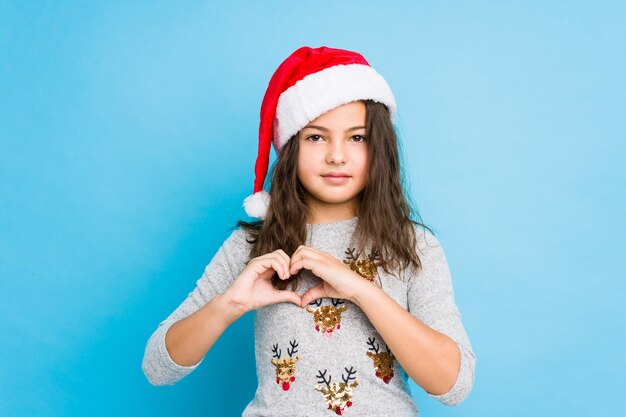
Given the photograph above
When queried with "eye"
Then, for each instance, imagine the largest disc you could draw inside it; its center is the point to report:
(359, 138)
(313, 138)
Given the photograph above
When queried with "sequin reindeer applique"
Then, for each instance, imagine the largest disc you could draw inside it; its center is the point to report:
(327, 318)
(383, 361)
(285, 367)
(338, 395)
(367, 268)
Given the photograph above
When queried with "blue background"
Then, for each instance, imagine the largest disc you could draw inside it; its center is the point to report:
(128, 139)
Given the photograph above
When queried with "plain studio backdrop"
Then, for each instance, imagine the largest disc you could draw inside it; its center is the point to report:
(128, 135)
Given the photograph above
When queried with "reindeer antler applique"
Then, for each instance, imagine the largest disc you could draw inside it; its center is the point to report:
(338, 395)
(285, 367)
(327, 318)
(367, 268)
(383, 361)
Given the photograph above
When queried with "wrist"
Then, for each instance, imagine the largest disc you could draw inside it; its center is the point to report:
(361, 291)
(230, 309)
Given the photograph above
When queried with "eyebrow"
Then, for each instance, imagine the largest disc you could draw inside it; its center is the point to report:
(323, 129)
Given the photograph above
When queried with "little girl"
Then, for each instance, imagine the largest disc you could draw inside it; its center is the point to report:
(350, 295)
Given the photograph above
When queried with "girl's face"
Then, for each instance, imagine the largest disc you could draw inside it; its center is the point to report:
(333, 161)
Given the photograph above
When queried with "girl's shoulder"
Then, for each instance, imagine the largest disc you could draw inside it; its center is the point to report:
(425, 240)
(239, 240)
(430, 252)
(239, 234)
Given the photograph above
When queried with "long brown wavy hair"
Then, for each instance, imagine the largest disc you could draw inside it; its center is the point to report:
(383, 208)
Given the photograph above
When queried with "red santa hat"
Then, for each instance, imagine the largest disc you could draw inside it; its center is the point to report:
(309, 83)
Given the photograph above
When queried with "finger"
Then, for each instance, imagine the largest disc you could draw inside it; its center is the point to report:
(284, 273)
(297, 259)
(280, 267)
(299, 252)
(297, 265)
(283, 254)
(286, 296)
(311, 264)
(304, 252)
(285, 259)
(273, 262)
(311, 251)
(278, 252)
(313, 294)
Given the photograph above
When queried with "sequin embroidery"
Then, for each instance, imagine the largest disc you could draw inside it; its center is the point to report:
(327, 318)
(338, 395)
(367, 268)
(383, 361)
(285, 367)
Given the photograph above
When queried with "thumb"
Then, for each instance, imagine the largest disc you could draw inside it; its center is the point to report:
(286, 296)
(313, 294)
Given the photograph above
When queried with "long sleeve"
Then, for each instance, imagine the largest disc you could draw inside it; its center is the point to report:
(226, 265)
(431, 300)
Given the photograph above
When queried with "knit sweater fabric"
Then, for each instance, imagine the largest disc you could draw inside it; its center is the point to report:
(328, 358)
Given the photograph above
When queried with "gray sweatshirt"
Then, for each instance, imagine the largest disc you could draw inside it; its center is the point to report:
(328, 358)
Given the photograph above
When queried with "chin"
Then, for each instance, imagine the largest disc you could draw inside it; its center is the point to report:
(334, 199)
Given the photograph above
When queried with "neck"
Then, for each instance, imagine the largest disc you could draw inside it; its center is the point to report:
(330, 213)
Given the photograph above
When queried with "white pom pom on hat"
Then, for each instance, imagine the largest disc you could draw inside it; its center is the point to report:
(309, 83)
(256, 204)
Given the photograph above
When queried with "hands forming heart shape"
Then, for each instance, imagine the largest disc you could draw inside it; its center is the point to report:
(252, 289)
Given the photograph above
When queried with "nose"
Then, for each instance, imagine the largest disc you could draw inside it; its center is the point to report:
(336, 152)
